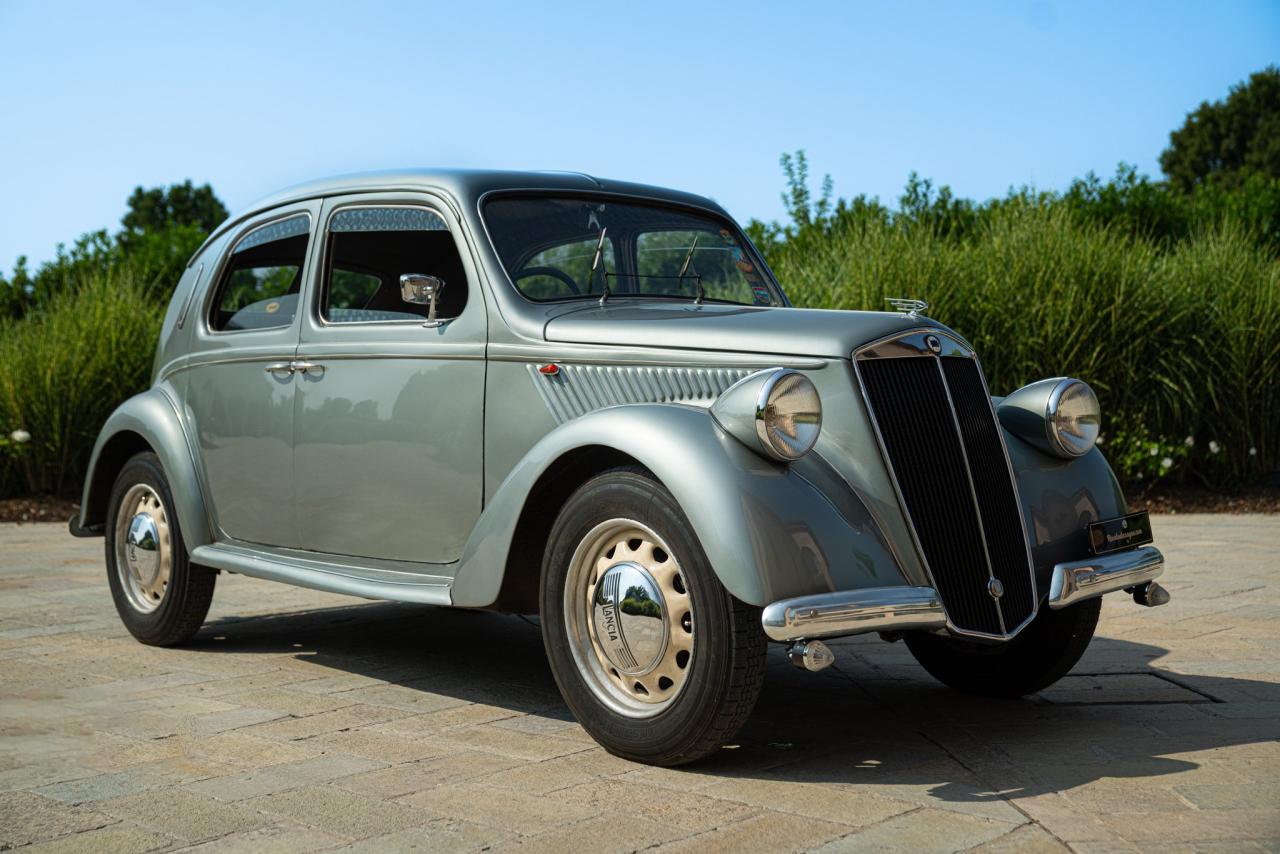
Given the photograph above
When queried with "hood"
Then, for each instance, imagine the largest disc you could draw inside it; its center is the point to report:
(743, 329)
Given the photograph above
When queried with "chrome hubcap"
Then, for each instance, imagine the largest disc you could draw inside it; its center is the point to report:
(144, 552)
(142, 548)
(630, 618)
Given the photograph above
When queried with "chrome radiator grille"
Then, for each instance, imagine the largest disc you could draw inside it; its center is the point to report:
(940, 438)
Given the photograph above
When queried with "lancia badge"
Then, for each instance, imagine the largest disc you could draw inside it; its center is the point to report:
(995, 588)
(934, 344)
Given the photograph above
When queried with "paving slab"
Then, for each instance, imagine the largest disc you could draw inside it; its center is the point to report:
(302, 721)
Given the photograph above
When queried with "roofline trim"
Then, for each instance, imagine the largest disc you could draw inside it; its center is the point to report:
(270, 202)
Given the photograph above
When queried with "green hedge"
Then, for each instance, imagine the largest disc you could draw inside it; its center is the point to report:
(63, 370)
(1181, 341)
(1177, 328)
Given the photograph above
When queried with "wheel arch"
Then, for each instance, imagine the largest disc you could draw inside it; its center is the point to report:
(519, 591)
(103, 471)
(145, 422)
(770, 531)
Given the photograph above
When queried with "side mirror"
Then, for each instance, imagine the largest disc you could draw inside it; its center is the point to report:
(419, 289)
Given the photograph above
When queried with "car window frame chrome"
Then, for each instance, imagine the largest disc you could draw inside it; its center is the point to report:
(214, 284)
(319, 279)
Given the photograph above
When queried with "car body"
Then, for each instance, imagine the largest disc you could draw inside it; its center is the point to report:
(367, 427)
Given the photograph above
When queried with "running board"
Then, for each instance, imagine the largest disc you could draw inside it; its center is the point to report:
(325, 572)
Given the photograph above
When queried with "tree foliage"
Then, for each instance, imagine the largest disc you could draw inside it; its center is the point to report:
(159, 208)
(162, 227)
(1227, 141)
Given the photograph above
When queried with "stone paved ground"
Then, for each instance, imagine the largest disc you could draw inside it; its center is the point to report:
(302, 721)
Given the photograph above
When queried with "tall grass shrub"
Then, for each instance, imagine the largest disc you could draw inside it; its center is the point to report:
(64, 368)
(1181, 342)
(1169, 306)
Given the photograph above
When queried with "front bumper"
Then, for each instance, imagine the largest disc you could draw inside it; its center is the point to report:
(896, 609)
(1084, 579)
(854, 612)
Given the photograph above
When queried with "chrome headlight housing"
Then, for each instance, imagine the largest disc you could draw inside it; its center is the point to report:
(1075, 418)
(1059, 415)
(776, 412)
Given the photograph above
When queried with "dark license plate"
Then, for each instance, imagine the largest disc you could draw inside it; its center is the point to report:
(1122, 532)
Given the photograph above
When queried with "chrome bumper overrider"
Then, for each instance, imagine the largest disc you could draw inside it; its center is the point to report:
(896, 609)
(1085, 579)
(853, 612)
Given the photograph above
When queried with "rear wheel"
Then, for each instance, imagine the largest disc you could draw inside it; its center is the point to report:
(658, 662)
(1039, 656)
(161, 597)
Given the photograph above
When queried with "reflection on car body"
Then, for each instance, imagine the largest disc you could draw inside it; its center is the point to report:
(591, 400)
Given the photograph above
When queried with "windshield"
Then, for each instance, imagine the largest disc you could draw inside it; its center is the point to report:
(558, 248)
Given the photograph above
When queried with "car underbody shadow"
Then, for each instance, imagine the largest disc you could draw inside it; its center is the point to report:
(875, 719)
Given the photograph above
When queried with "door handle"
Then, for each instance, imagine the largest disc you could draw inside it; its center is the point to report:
(306, 368)
(279, 367)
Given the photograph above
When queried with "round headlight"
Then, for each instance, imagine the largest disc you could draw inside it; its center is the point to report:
(1074, 418)
(788, 416)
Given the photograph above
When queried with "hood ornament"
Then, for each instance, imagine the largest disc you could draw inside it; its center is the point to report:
(909, 307)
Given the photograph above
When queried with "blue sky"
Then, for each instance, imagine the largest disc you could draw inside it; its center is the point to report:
(97, 98)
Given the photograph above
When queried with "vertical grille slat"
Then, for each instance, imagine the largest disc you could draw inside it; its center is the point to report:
(933, 416)
(997, 501)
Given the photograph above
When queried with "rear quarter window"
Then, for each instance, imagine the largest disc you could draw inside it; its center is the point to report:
(259, 285)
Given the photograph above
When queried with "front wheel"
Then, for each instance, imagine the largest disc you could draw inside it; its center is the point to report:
(658, 662)
(1039, 656)
(162, 598)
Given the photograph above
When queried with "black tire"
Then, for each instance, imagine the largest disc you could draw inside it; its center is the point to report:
(1039, 656)
(727, 664)
(185, 602)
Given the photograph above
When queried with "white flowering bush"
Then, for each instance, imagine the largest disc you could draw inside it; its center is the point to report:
(13, 443)
(12, 447)
(1141, 458)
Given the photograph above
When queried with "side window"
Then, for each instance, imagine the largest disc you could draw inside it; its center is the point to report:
(565, 270)
(259, 284)
(371, 248)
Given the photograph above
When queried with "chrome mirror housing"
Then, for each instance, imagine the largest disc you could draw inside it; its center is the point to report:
(420, 289)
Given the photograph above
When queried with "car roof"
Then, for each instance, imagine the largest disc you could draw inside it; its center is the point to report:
(466, 185)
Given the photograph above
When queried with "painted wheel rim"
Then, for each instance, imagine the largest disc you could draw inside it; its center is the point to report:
(143, 548)
(629, 617)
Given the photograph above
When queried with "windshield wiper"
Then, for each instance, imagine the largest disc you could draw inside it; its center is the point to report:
(595, 264)
(684, 269)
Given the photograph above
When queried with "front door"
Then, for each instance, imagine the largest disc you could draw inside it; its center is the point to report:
(238, 396)
(388, 430)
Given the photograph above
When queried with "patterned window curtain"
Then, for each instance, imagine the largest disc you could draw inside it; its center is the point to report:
(387, 219)
(285, 228)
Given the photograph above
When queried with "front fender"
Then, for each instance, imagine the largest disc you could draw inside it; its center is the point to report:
(1059, 499)
(150, 418)
(770, 531)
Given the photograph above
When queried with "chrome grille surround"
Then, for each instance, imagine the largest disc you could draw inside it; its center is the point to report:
(936, 345)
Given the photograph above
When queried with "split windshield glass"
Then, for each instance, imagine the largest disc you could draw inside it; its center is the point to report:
(548, 246)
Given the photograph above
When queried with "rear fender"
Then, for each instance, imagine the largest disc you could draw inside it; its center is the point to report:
(147, 421)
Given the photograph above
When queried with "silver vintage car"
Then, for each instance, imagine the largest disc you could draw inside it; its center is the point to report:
(552, 394)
